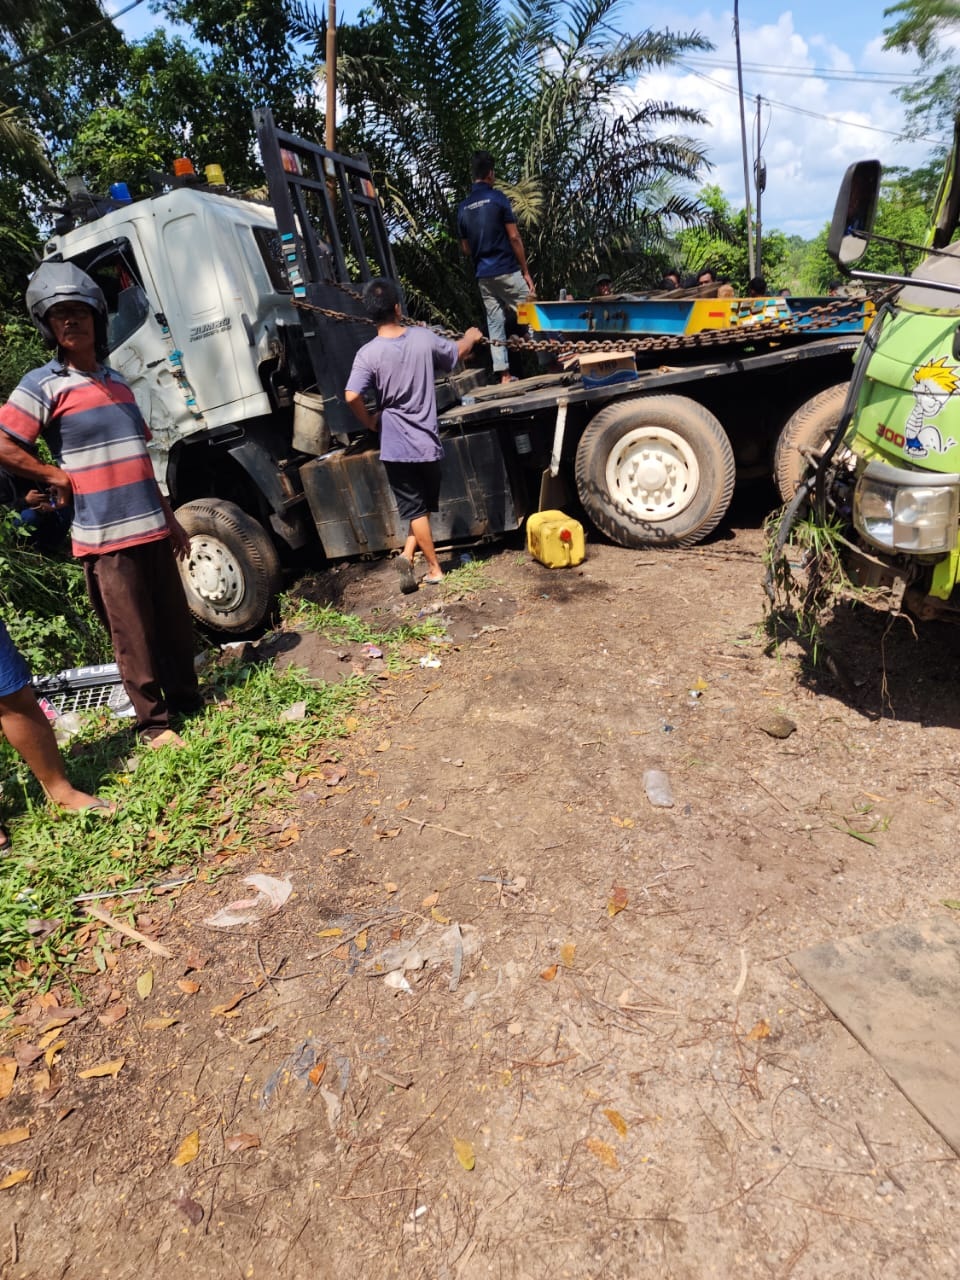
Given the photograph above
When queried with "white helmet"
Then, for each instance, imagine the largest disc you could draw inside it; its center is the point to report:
(54, 282)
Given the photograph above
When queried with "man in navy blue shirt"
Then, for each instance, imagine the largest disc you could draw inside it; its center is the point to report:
(488, 234)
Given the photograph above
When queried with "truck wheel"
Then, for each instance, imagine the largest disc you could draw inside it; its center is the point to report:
(655, 472)
(232, 573)
(811, 428)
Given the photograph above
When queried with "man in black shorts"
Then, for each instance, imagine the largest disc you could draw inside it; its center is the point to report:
(399, 364)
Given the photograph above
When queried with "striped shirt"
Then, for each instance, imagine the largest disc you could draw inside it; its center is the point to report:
(99, 436)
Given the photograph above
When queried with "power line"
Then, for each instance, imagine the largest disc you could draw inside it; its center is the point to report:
(77, 35)
(804, 73)
(805, 111)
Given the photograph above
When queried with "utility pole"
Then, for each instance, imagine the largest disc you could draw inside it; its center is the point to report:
(330, 130)
(743, 141)
(760, 179)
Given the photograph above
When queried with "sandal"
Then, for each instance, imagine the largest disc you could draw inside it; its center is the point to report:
(431, 581)
(408, 583)
(6, 844)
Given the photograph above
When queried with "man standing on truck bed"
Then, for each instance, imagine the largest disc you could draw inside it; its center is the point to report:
(124, 532)
(399, 363)
(488, 234)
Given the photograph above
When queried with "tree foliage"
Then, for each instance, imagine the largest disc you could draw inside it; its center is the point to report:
(555, 93)
(722, 245)
(919, 27)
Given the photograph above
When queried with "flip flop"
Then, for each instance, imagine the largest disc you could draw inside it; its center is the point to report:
(432, 582)
(6, 844)
(99, 809)
(408, 583)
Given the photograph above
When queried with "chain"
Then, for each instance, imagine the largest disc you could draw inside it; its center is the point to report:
(816, 320)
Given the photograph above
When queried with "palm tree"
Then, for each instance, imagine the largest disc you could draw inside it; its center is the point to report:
(553, 91)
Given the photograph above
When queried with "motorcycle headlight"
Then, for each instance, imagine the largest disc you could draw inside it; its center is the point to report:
(917, 518)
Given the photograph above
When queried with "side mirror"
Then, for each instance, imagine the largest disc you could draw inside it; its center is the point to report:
(854, 213)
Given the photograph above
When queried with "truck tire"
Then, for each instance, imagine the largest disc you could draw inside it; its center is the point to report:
(232, 574)
(655, 472)
(810, 428)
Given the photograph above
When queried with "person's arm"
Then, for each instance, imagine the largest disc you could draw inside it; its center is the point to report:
(465, 248)
(179, 538)
(469, 340)
(369, 421)
(516, 244)
(20, 462)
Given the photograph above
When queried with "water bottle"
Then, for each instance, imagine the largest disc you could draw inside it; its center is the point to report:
(657, 786)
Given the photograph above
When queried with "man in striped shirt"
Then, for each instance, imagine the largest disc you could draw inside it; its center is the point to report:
(124, 532)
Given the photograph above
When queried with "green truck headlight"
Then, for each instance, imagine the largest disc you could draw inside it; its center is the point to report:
(895, 511)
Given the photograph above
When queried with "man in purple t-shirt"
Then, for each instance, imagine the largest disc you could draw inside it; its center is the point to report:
(399, 364)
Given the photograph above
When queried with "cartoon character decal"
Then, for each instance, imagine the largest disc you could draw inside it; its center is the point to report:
(934, 383)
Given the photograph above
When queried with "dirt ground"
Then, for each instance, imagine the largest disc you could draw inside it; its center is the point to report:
(646, 1086)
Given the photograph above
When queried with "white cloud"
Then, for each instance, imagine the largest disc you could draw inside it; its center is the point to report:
(806, 155)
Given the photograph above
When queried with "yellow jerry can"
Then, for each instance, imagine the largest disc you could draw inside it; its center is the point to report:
(554, 539)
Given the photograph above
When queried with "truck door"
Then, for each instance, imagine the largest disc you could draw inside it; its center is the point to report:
(139, 340)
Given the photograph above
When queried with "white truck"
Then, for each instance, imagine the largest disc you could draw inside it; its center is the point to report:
(236, 322)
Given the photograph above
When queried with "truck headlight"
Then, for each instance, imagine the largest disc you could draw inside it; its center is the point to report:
(893, 511)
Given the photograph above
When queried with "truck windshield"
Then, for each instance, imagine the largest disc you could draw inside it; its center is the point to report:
(923, 294)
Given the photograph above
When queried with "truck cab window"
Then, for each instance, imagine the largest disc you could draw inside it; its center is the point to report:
(117, 274)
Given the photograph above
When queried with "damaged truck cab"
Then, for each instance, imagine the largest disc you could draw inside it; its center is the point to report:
(885, 458)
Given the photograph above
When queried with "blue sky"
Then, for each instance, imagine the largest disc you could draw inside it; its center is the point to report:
(815, 122)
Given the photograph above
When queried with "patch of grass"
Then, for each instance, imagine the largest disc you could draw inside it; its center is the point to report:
(345, 628)
(466, 579)
(178, 808)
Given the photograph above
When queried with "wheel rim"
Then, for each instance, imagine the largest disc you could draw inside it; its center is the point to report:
(214, 574)
(653, 473)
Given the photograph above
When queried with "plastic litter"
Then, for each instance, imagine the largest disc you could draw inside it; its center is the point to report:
(271, 895)
(296, 711)
(456, 946)
(371, 651)
(430, 660)
(657, 786)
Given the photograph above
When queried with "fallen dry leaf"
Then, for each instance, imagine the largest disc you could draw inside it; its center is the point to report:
(188, 1150)
(351, 724)
(40, 1082)
(188, 986)
(338, 853)
(27, 1054)
(290, 836)
(568, 953)
(431, 900)
(228, 1007)
(113, 1016)
(15, 1178)
(53, 1024)
(403, 804)
(53, 1050)
(241, 1142)
(759, 1031)
(438, 915)
(10, 1137)
(617, 1120)
(316, 1075)
(361, 940)
(617, 900)
(390, 887)
(464, 1153)
(145, 984)
(159, 1024)
(388, 833)
(549, 974)
(330, 933)
(383, 745)
(604, 1153)
(111, 1068)
(48, 1039)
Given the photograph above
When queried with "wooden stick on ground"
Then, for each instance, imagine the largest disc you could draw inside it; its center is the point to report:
(157, 948)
